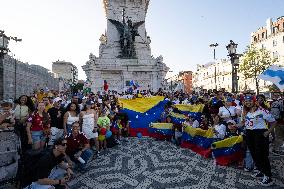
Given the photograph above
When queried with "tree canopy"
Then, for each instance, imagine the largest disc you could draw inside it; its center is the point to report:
(255, 61)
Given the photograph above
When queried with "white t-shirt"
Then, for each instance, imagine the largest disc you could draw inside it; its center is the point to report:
(221, 129)
(195, 124)
(225, 112)
(258, 119)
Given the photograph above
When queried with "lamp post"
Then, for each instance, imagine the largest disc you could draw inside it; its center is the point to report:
(4, 42)
(214, 49)
(214, 56)
(232, 49)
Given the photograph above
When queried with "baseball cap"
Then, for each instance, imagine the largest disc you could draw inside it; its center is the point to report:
(89, 102)
(229, 99)
(231, 121)
(248, 97)
(57, 99)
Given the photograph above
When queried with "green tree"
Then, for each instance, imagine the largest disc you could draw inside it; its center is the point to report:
(76, 87)
(254, 62)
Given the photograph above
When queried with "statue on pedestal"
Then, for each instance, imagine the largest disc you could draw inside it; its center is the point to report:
(128, 31)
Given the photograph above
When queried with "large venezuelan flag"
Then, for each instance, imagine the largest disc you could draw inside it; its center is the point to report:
(194, 111)
(143, 111)
(198, 140)
(161, 131)
(228, 150)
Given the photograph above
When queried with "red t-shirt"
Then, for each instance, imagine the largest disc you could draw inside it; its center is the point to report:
(74, 144)
(37, 122)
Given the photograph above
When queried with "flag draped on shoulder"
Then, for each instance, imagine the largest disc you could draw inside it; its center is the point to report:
(143, 111)
(274, 74)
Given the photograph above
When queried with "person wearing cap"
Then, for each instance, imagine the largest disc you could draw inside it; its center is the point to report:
(227, 112)
(215, 103)
(88, 118)
(233, 129)
(56, 114)
(255, 120)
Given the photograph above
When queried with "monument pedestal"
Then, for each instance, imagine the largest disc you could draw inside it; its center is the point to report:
(125, 31)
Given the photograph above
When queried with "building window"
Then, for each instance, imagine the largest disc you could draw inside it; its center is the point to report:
(283, 39)
(255, 39)
(263, 35)
(275, 55)
(262, 46)
(274, 43)
(275, 29)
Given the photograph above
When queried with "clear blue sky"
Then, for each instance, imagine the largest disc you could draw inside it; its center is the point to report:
(180, 30)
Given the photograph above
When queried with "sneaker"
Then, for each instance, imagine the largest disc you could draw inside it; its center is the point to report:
(266, 181)
(257, 175)
(247, 169)
(277, 153)
(255, 170)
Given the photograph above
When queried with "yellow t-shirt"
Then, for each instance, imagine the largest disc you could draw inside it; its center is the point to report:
(47, 107)
(40, 96)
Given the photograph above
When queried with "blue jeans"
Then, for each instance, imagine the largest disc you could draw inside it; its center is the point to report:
(55, 174)
(249, 164)
(86, 156)
(38, 136)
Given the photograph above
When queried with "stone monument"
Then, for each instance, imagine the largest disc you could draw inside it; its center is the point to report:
(125, 53)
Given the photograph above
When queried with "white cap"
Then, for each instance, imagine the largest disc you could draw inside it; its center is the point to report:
(57, 99)
(231, 121)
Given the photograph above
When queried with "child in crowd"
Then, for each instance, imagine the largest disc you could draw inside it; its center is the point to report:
(7, 119)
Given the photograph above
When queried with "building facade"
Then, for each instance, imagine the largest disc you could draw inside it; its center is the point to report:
(181, 81)
(271, 37)
(66, 71)
(215, 75)
(125, 53)
(21, 78)
(218, 74)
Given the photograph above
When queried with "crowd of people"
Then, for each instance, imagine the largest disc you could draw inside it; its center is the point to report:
(64, 133)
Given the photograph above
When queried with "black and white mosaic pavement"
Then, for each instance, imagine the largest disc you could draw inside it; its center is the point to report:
(146, 163)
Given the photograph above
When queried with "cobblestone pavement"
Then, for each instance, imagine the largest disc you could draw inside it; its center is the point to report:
(146, 163)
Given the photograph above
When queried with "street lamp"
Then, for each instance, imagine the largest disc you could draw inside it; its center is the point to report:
(214, 54)
(232, 49)
(214, 49)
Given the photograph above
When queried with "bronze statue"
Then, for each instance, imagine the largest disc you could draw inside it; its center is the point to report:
(127, 32)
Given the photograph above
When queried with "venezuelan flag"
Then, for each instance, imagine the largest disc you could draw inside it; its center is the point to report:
(228, 150)
(198, 140)
(161, 130)
(194, 111)
(143, 111)
(177, 118)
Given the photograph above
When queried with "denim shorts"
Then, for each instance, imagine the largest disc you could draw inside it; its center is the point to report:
(38, 136)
